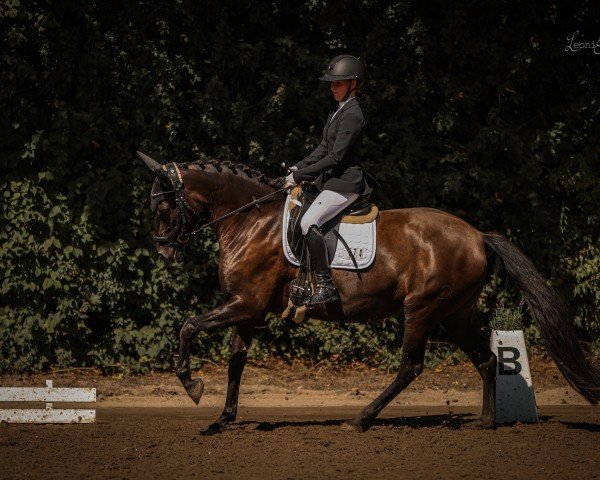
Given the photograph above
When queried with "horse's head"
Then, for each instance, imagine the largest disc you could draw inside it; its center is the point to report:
(177, 213)
(180, 198)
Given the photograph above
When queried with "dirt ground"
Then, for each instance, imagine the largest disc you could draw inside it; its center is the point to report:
(289, 427)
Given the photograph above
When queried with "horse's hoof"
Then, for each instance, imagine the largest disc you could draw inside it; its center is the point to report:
(483, 424)
(195, 390)
(353, 427)
(214, 429)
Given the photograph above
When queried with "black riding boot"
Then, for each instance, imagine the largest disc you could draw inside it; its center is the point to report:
(325, 290)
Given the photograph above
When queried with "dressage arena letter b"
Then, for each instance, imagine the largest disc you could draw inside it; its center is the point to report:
(508, 356)
(515, 398)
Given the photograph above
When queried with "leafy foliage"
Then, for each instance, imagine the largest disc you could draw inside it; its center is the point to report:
(473, 108)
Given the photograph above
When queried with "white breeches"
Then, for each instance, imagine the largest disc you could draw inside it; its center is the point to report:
(326, 206)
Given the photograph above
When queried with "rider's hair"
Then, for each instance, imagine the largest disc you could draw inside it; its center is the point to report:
(359, 92)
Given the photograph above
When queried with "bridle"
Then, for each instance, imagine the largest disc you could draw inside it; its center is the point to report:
(186, 227)
(180, 235)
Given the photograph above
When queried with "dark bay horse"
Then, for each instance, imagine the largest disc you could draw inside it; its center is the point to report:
(430, 268)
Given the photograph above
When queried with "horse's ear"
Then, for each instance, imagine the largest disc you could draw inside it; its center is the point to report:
(150, 162)
(156, 168)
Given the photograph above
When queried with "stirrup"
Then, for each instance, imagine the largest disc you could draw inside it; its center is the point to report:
(324, 293)
(300, 290)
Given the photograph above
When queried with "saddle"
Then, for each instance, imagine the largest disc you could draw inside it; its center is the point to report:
(361, 211)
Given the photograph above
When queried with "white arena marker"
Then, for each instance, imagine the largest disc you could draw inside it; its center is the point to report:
(515, 398)
(49, 414)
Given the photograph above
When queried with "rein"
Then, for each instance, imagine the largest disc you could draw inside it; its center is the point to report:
(254, 203)
(180, 236)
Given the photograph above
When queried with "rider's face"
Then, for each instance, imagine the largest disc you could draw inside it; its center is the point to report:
(339, 88)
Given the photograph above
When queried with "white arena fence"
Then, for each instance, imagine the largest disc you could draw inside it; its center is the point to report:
(47, 394)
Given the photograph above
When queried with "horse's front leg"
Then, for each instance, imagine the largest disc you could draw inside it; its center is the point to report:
(231, 313)
(242, 338)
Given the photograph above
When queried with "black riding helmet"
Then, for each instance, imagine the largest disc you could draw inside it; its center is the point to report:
(344, 67)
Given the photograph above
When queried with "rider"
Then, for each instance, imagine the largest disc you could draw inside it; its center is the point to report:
(334, 168)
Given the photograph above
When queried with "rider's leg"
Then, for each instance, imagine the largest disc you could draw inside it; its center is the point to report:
(325, 290)
(326, 206)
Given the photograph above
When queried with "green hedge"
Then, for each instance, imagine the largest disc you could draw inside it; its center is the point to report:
(475, 109)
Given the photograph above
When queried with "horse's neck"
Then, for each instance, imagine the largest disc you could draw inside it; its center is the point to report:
(232, 195)
(226, 192)
(250, 226)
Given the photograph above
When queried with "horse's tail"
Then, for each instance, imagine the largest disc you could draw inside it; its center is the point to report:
(552, 317)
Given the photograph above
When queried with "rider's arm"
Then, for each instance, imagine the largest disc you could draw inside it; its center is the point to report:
(316, 154)
(349, 128)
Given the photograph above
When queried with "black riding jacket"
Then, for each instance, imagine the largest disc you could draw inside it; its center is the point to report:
(335, 163)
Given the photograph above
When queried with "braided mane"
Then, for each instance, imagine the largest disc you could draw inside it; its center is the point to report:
(234, 167)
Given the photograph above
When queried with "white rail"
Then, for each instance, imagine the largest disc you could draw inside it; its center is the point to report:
(49, 414)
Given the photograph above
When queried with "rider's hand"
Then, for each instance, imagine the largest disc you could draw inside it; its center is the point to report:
(289, 181)
(279, 182)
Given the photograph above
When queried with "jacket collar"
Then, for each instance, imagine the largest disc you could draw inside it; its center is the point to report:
(346, 106)
(349, 103)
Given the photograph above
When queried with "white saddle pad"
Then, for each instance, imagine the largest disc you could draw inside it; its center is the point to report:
(360, 237)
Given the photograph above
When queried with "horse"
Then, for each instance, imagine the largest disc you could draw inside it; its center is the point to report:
(430, 268)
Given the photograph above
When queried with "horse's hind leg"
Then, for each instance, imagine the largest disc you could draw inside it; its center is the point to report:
(463, 333)
(242, 338)
(413, 353)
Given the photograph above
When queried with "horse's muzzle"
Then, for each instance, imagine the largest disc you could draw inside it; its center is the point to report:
(169, 254)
